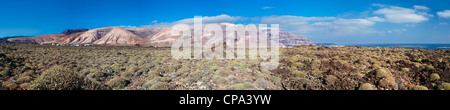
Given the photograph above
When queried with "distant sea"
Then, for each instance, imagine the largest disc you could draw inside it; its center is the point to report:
(417, 46)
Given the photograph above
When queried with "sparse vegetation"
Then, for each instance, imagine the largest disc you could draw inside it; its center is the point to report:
(44, 67)
(244, 86)
(61, 78)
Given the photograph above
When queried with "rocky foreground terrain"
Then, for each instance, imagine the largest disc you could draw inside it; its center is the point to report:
(43, 67)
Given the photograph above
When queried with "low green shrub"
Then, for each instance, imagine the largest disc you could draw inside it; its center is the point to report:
(330, 79)
(418, 87)
(446, 86)
(388, 82)
(62, 78)
(366, 86)
(296, 65)
(381, 72)
(315, 64)
(299, 74)
(152, 74)
(434, 77)
(58, 78)
(160, 86)
(405, 70)
(244, 86)
(277, 80)
(126, 75)
(429, 67)
(220, 81)
(117, 83)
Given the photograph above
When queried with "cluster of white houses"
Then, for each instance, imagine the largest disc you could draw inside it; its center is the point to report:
(55, 44)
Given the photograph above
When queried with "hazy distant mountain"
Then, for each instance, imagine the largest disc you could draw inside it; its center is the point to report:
(47, 38)
(117, 36)
(5, 39)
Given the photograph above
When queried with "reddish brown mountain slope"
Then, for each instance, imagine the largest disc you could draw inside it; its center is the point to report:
(119, 36)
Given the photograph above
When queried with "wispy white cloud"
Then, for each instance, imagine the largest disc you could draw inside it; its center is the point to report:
(399, 31)
(444, 14)
(379, 5)
(298, 24)
(205, 20)
(295, 24)
(419, 7)
(353, 26)
(267, 7)
(410, 25)
(397, 14)
(329, 25)
(443, 24)
(376, 19)
(348, 26)
(127, 27)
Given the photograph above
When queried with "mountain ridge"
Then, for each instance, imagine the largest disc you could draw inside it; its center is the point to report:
(116, 36)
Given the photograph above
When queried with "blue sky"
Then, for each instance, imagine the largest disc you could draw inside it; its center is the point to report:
(337, 21)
